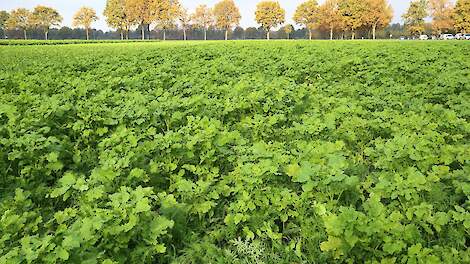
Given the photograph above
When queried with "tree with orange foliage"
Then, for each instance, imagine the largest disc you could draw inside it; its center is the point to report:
(269, 14)
(165, 13)
(185, 20)
(414, 17)
(462, 16)
(19, 19)
(378, 15)
(329, 17)
(441, 12)
(203, 18)
(307, 14)
(44, 17)
(354, 14)
(139, 12)
(227, 15)
(85, 16)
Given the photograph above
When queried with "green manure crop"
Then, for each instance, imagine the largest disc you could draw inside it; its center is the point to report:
(235, 152)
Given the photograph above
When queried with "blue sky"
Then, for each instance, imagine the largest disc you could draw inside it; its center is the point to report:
(247, 8)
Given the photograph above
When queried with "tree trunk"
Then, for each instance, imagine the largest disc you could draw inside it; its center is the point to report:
(87, 34)
(24, 33)
(205, 34)
(45, 34)
(127, 34)
(331, 33)
(164, 34)
(267, 35)
(122, 34)
(310, 34)
(143, 31)
(184, 34)
(148, 30)
(288, 36)
(374, 27)
(226, 34)
(353, 34)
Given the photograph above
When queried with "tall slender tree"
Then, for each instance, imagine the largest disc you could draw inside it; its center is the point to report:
(44, 17)
(227, 15)
(20, 19)
(165, 14)
(354, 14)
(203, 17)
(288, 29)
(140, 13)
(270, 14)
(185, 21)
(379, 14)
(3, 18)
(117, 16)
(414, 17)
(329, 16)
(306, 14)
(462, 16)
(441, 12)
(85, 16)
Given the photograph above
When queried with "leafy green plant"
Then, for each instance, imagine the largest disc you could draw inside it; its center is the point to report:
(241, 152)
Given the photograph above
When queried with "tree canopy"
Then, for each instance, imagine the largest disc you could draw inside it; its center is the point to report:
(354, 14)
(414, 17)
(227, 15)
(140, 13)
(288, 29)
(269, 14)
(117, 16)
(19, 19)
(462, 16)
(45, 17)
(165, 14)
(441, 12)
(379, 13)
(345, 17)
(306, 14)
(84, 17)
(203, 17)
(329, 16)
(185, 21)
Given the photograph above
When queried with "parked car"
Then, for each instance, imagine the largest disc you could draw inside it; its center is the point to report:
(466, 36)
(423, 37)
(447, 37)
(458, 36)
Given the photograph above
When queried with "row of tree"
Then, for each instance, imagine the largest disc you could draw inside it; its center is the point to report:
(166, 14)
(238, 33)
(22, 19)
(43, 18)
(339, 16)
(335, 16)
(445, 16)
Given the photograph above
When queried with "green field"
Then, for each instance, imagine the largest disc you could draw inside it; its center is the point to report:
(235, 152)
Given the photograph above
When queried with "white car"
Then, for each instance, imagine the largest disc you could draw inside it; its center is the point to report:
(423, 37)
(458, 36)
(466, 36)
(447, 37)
